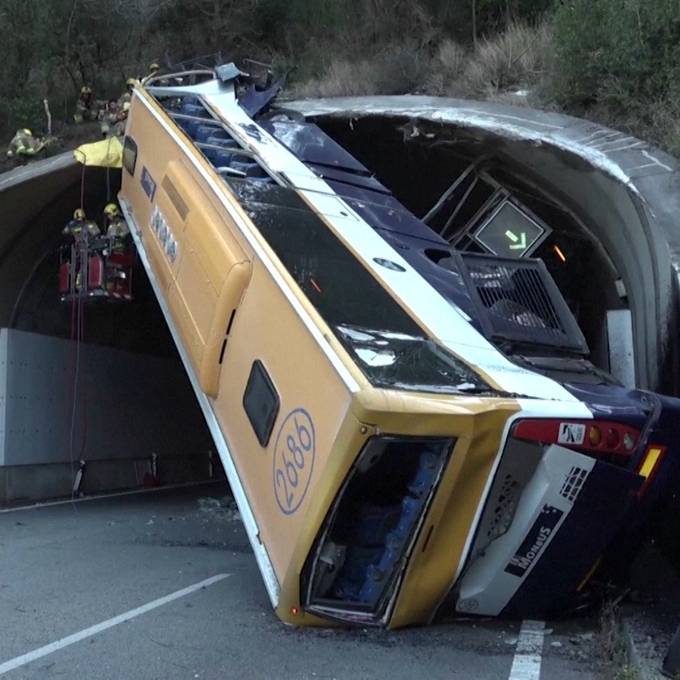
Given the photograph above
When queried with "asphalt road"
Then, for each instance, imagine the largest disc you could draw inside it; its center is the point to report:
(66, 568)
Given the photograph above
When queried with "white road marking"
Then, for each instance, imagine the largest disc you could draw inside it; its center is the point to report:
(39, 653)
(105, 496)
(527, 662)
(607, 140)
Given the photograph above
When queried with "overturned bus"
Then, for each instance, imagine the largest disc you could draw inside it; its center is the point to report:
(409, 431)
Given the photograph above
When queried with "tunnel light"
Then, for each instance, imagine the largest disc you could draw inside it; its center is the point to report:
(621, 289)
(558, 251)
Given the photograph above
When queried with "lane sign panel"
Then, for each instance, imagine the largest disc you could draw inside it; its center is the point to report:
(511, 232)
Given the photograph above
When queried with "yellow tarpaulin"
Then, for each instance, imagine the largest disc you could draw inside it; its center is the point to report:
(105, 154)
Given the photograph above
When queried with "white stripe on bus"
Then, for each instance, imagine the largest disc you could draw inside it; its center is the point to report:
(246, 231)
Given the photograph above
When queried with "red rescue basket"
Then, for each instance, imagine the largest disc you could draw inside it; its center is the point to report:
(98, 268)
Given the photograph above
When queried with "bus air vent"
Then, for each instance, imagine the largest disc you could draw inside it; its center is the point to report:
(518, 301)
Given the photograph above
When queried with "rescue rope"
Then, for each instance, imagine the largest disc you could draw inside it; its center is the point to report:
(78, 336)
(82, 187)
(108, 172)
(75, 336)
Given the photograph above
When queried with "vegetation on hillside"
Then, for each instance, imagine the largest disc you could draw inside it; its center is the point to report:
(616, 61)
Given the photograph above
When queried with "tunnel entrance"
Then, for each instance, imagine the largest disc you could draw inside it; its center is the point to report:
(459, 183)
(137, 325)
(94, 393)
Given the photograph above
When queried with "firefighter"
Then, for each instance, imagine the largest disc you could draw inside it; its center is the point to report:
(87, 108)
(121, 120)
(154, 68)
(116, 228)
(80, 228)
(114, 118)
(126, 97)
(25, 144)
(118, 272)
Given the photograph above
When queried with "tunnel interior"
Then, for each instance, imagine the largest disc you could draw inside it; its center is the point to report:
(137, 406)
(421, 162)
(135, 326)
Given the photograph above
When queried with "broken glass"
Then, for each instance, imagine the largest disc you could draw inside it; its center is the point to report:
(385, 342)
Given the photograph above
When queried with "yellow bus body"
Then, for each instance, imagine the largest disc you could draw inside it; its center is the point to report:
(230, 302)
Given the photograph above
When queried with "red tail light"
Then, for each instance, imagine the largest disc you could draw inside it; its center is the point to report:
(598, 436)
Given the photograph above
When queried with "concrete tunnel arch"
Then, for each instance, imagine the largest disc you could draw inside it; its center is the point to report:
(129, 413)
(621, 192)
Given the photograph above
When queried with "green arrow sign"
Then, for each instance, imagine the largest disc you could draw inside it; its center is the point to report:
(518, 242)
(511, 231)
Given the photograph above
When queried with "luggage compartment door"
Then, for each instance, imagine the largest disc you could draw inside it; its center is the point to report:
(210, 273)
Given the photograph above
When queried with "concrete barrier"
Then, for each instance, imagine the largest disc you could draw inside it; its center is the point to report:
(130, 417)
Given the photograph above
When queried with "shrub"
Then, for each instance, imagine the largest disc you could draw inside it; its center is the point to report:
(400, 69)
(615, 51)
(513, 59)
(446, 68)
(624, 70)
(664, 127)
(342, 78)
(396, 69)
